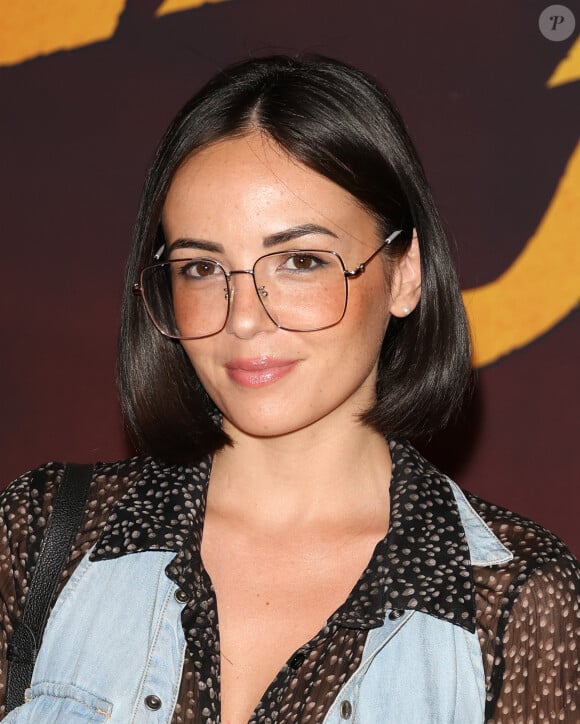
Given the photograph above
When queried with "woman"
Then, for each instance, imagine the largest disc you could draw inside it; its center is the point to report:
(291, 316)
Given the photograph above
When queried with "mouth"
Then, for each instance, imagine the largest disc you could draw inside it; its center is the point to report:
(259, 371)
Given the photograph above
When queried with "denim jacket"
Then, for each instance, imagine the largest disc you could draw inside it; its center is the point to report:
(114, 647)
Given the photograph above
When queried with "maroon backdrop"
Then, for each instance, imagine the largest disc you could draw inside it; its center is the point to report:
(77, 133)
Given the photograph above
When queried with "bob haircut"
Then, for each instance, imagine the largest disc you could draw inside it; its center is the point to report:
(337, 121)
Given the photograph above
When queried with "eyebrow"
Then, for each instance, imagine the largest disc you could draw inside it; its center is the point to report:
(202, 244)
(295, 232)
(280, 237)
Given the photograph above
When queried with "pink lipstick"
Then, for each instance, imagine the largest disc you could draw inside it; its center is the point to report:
(258, 371)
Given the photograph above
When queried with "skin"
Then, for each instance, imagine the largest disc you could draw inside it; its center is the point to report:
(298, 503)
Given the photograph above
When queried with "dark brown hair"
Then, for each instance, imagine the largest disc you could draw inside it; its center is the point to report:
(337, 121)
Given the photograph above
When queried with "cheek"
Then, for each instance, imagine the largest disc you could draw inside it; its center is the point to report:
(198, 354)
(368, 314)
(356, 344)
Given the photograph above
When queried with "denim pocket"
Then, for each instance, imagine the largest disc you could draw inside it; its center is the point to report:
(52, 703)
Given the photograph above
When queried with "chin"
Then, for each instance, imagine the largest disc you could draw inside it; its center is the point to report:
(265, 424)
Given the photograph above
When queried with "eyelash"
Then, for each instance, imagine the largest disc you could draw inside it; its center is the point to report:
(315, 263)
(318, 262)
(193, 263)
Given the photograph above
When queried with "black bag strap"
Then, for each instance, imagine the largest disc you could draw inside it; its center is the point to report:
(67, 512)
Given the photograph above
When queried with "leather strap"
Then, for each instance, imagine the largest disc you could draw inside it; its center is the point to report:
(67, 512)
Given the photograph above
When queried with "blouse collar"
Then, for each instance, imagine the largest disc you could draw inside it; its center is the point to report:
(423, 563)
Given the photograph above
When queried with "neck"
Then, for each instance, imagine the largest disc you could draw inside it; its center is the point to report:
(311, 476)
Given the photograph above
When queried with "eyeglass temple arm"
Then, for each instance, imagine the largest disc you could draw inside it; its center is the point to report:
(137, 291)
(353, 273)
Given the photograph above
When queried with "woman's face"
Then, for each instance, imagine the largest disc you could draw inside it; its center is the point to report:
(265, 380)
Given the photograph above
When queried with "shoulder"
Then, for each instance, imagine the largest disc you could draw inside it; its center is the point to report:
(25, 509)
(27, 503)
(34, 483)
(534, 548)
(528, 620)
(540, 561)
(35, 490)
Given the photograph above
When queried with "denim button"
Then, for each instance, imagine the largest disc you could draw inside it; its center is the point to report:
(345, 710)
(297, 661)
(181, 596)
(395, 614)
(153, 702)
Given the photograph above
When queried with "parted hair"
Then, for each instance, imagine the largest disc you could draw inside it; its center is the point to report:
(339, 122)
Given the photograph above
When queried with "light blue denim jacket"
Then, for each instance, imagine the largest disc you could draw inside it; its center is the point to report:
(114, 647)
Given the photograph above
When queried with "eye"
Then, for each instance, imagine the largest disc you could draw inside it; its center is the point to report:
(198, 268)
(303, 262)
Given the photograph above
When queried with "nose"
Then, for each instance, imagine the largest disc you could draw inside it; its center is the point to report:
(247, 317)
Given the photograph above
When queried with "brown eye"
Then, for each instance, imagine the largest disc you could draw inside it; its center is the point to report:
(199, 269)
(203, 269)
(303, 262)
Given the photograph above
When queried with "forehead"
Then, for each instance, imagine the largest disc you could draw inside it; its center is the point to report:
(252, 181)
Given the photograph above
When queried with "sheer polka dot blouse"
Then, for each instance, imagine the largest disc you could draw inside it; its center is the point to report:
(526, 612)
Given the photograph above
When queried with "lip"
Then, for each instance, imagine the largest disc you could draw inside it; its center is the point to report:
(259, 370)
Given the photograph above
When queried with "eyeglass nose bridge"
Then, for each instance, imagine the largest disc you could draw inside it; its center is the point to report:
(262, 292)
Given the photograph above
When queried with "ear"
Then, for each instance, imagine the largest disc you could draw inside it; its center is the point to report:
(406, 281)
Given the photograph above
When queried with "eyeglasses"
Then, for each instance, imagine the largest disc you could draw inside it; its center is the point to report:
(303, 290)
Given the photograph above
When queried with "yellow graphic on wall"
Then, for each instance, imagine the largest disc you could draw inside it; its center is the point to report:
(537, 291)
(569, 69)
(174, 6)
(540, 288)
(38, 27)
